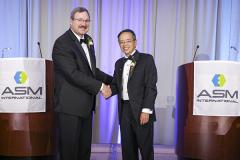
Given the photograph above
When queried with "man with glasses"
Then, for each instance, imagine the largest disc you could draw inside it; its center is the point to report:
(134, 81)
(77, 81)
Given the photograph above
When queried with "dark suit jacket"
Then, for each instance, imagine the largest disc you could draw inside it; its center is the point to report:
(76, 85)
(141, 85)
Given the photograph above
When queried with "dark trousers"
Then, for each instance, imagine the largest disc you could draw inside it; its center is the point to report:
(135, 136)
(75, 137)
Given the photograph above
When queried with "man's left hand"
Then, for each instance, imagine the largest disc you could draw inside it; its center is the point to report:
(144, 118)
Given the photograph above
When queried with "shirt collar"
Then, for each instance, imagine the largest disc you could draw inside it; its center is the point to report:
(78, 37)
(130, 54)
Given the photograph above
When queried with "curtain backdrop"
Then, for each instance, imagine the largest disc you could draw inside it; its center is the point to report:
(170, 30)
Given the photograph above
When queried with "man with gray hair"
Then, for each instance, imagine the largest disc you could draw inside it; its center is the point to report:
(77, 81)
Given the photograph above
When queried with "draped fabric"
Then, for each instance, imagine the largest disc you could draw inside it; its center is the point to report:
(170, 30)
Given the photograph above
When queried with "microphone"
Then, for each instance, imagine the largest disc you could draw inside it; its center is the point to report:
(39, 47)
(234, 48)
(5, 49)
(195, 53)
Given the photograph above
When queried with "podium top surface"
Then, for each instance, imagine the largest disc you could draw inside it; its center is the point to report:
(23, 58)
(212, 61)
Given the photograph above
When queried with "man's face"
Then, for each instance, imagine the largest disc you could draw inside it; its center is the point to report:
(80, 23)
(127, 43)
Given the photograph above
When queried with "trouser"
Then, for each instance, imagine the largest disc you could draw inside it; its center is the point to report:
(75, 137)
(135, 136)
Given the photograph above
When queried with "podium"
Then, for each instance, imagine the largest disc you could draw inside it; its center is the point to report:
(35, 138)
(202, 137)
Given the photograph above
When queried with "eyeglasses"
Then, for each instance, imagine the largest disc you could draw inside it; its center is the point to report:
(82, 20)
(127, 42)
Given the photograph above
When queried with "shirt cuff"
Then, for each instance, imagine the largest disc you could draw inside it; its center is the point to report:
(147, 110)
(101, 88)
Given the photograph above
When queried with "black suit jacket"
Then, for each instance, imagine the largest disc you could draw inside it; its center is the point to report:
(141, 85)
(76, 85)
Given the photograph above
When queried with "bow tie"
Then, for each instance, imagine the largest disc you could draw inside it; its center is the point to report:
(83, 41)
(131, 57)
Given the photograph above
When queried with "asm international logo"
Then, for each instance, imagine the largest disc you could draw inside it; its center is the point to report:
(22, 91)
(218, 80)
(20, 77)
(220, 93)
(23, 85)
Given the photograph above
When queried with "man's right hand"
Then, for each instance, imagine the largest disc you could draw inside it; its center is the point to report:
(106, 91)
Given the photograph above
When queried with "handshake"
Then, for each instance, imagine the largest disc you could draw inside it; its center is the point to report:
(106, 91)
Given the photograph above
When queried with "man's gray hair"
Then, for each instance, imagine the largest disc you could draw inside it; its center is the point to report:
(79, 9)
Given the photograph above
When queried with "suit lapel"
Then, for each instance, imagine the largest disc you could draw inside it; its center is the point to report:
(82, 53)
(81, 50)
(92, 58)
(136, 59)
(120, 70)
(91, 55)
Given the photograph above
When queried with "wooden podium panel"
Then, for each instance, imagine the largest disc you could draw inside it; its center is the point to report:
(202, 137)
(29, 134)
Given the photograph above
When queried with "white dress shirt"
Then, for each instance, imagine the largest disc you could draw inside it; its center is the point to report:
(125, 76)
